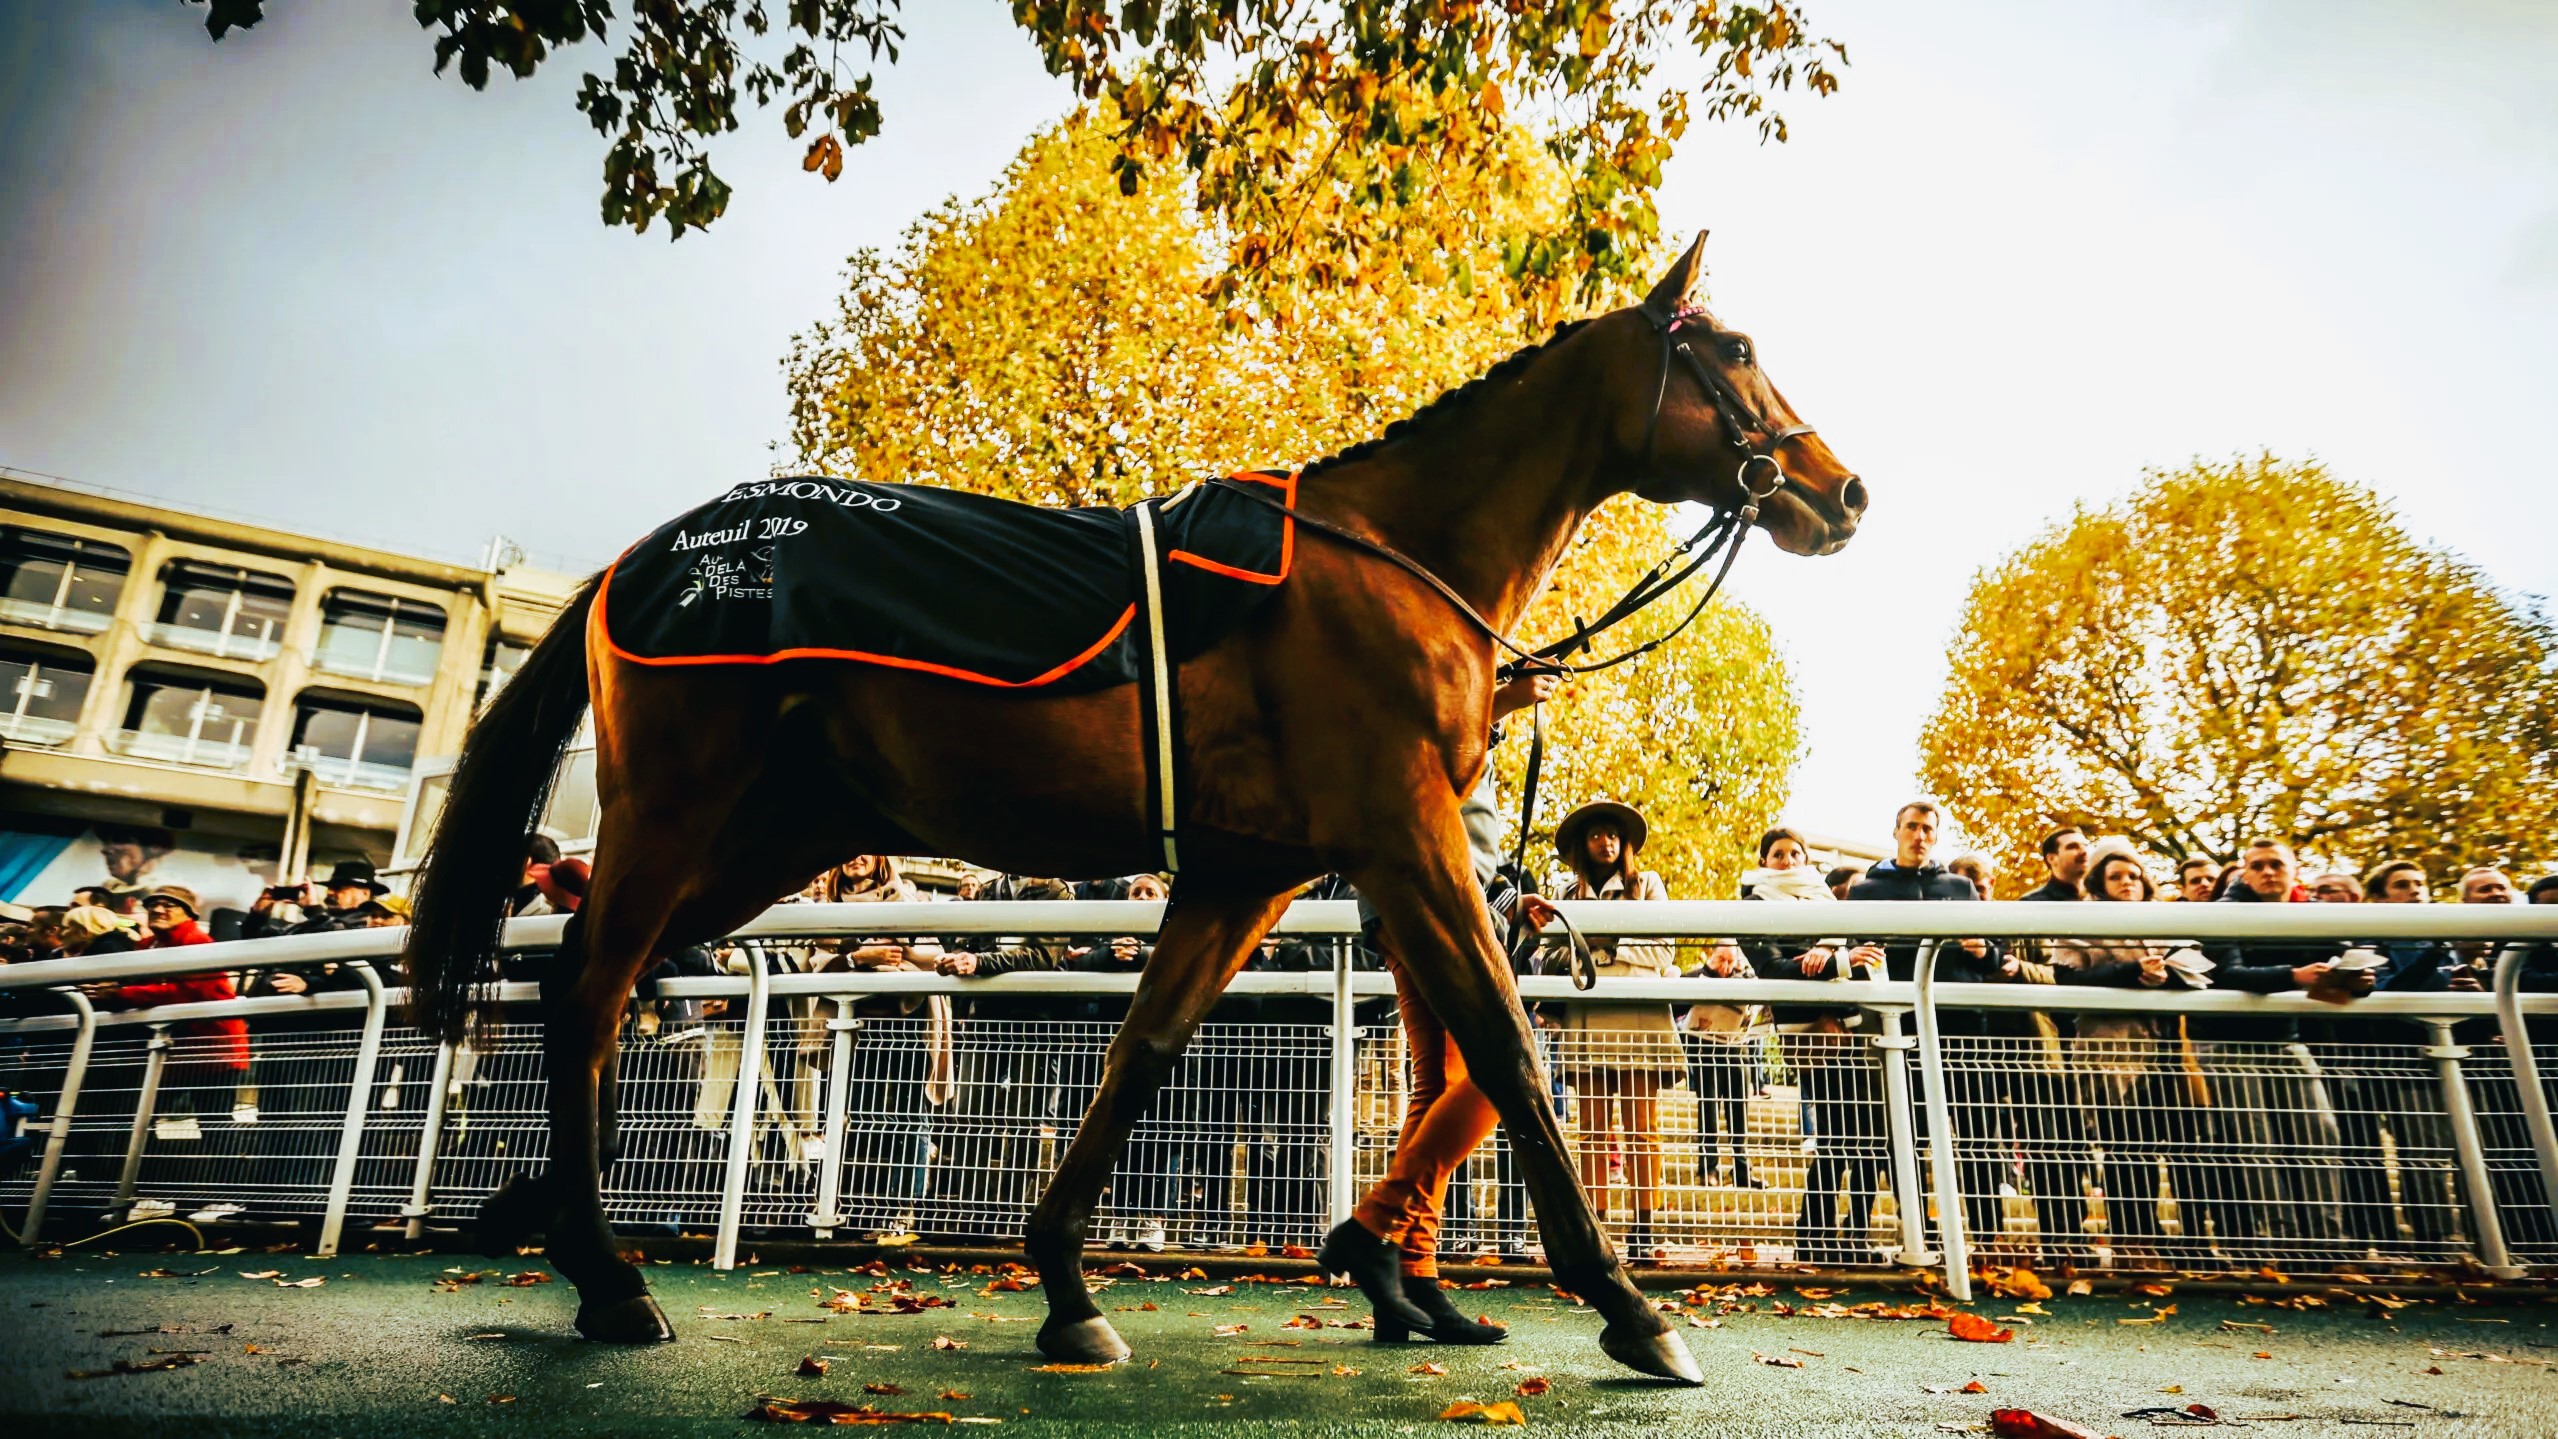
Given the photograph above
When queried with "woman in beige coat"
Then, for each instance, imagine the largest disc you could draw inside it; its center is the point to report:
(1616, 1057)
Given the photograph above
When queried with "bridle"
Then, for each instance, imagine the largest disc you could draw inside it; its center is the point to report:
(1757, 443)
(1761, 474)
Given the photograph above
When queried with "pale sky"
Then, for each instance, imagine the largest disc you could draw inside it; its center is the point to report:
(2028, 250)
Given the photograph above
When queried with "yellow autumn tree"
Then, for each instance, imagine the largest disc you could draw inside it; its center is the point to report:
(2243, 649)
(1061, 342)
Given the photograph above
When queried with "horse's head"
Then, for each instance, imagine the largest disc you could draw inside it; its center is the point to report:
(1704, 423)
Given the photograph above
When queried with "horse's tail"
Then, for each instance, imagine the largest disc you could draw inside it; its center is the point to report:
(476, 859)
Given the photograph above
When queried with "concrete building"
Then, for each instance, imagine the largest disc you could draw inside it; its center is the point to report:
(191, 699)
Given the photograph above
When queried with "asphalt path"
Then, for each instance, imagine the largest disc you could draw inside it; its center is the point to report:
(415, 1344)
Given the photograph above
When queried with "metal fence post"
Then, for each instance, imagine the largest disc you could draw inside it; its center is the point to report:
(829, 1214)
(1906, 1195)
(430, 1139)
(1344, 1120)
(2490, 1226)
(2526, 1066)
(65, 1105)
(741, 1119)
(145, 1107)
(359, 1106)
(1940, 1133)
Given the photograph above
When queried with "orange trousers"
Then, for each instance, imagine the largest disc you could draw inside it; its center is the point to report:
(1446, 1119)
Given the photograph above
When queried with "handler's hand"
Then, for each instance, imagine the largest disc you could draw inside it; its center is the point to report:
(1531, 687)
(962, 965)
(1538, 910)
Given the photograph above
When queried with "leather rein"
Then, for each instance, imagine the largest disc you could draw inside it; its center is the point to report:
(1761, 474)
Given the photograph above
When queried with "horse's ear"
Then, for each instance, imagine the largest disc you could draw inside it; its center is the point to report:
(1686, 277)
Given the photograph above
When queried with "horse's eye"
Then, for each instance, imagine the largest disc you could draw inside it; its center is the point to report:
(1737, 351)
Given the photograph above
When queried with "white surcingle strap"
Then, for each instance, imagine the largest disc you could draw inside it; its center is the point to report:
(1159, 669)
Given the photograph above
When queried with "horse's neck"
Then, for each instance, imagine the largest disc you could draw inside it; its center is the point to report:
(1487, 500)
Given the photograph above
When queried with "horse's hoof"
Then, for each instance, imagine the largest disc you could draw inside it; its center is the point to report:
(636, 1320)
(1082, 1341)
(513, 1216)
(1663, 1356)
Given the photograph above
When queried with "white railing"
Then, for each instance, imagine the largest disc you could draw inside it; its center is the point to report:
(1953, 1119)
(54, 617)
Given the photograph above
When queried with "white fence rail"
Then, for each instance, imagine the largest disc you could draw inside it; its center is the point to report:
(2422, 1137)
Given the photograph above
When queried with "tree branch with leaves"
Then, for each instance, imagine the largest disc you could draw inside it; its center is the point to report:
(1313, 133)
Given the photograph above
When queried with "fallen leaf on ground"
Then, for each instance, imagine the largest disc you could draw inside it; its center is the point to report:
(2081, 1286)
(1531, 1388)
(2026, 1424)
(527, 1279)
(944, 1341)
(1426, 1367)
(884, 1390)
(1296, 1251)
(1965, 1325)
(1776, 1361)
(1228, 1331)
(139, 1366)
(2158, 1318)
(2035, 1309)
(1342, 1371)
(1467, 1410)
(314, 1282)
(952, 1395)
(2018, 1284)
(262, 1274)
(2156, 1291)
(832, 1411)
(1975, 1387)
(1302, 1321)
(812, 1367)
(1069, 1368)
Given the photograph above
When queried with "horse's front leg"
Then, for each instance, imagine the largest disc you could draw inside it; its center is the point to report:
(1204, 940)
(1425, 895)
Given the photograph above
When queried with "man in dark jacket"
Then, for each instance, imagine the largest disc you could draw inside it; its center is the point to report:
(2275, 1119)
(2064, 866)
(2042, 1114)
(1913, 875)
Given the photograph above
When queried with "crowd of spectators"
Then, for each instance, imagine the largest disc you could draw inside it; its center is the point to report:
(2132, 1138)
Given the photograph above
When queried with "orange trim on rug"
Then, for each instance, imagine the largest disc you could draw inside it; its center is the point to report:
(1287, 535)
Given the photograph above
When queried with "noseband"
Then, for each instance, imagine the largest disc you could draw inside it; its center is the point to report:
(1755, 440)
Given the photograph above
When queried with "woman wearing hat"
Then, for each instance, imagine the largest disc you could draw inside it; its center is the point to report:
(1616, 1057)
(210, 1057)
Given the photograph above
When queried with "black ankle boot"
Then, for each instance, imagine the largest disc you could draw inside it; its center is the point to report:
(1376, 1267)
(1448, 1324)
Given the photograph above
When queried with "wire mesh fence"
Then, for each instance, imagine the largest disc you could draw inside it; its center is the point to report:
(2101, 1138)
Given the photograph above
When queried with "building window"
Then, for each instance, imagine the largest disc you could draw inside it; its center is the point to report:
(219, 610)
(379, 637)
(40, 695)
(354, 746)
(58, 582)
(183, 719)
(498, 664)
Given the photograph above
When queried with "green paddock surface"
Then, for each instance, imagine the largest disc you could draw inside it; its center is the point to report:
(391, 1345)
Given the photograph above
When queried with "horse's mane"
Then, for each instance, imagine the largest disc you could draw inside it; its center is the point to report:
(1449, 402)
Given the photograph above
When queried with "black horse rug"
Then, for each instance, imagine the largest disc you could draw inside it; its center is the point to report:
(982, 590)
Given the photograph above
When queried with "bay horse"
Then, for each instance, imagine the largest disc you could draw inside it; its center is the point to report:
(1335, 731)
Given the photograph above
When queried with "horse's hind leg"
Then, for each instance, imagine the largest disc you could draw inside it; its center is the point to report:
(1203, 942)
(1434, 916)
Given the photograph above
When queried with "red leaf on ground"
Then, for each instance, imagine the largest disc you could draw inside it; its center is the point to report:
(2026, 1424)
(1531, 1388)
(1976, 1329)
(812, 1367)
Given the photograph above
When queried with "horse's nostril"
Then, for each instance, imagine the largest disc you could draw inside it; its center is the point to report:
(1852, 495)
